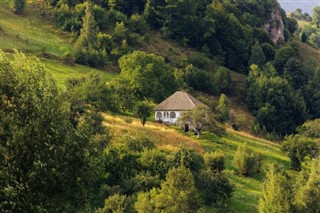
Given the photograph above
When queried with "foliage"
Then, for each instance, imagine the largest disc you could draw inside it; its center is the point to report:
(177, 193)
(310, 129)
(143, 111)
(276, 193)
(18, 6)
(257, 56)
(116, 203)
(147, 76)
(200, 118)
(90, 90)
(46, 156)
(316, 16)
(279, 109)
(214, 187)
(222, 109)
(244, 160)
(298, 147)
(68, 58)
(282, 56)
(214, 161)
(307, 189)
(222, 81)
(198, 79)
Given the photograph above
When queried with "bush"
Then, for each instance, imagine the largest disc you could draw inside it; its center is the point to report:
(214, 160)
(117, 203)
(244, 160)
(68, 58)
(222, 81)
(214, 187)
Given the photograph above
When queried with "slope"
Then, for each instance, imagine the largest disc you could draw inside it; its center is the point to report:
(247, 189)
(31, 34)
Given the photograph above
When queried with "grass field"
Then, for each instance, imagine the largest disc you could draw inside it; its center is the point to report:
(246, 196)
(61, 72)
(29, 33)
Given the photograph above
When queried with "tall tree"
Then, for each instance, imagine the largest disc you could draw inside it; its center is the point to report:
(257, 56)
(316, 16)
(88, 34)
(147, 76)
(46, 163)
(18, 6)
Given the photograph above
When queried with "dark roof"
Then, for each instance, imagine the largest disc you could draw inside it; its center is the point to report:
(179, 101)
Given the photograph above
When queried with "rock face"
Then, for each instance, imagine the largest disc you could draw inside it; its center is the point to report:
(275, 27)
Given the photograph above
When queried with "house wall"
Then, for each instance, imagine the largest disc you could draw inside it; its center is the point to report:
(165, 116)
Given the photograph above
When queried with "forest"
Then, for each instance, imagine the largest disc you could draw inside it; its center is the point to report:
(79, 80)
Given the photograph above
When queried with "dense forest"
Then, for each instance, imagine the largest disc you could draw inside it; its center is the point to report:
(58, 153)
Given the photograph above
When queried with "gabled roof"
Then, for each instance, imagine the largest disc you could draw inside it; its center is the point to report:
(179, 101)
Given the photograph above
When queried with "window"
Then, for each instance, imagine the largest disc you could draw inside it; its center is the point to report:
(166, 114)
(159, 115)
(172, 115)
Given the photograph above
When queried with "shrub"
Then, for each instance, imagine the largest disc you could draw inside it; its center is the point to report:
(214, 187)
(214, 160)
(117, 203)
(68, 58)
(244, 160)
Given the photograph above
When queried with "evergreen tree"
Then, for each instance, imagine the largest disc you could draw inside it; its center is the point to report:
(276, 193)
(18, 6)
(257, 56)
(88, 34)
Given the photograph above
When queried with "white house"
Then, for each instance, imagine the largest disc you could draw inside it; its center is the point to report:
(169, 110)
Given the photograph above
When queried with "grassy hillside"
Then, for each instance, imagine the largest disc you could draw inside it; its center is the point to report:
(246, 195)
(32, 35)
(310, 55)
(29, 33)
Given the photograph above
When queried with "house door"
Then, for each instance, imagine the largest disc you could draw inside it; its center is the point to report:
(186, 127)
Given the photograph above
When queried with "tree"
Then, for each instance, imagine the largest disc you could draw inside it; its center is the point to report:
(295, 73)
(244, 160)
(177, 194)
(223, 108)
(282, 56)
(88, 34)
(279, 109)
(310, 129)
(276, 193)
(222, 81)
(200, 118)
(298, 147)
(257, 56)
(143, 111)
(18, 6)
(316, 16)
(307, 189)
(49, 165)
(198, 79)
(147, 76)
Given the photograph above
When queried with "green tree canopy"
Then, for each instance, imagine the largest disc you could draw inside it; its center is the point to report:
(147, 76)
(47, 164)
(257, 56)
